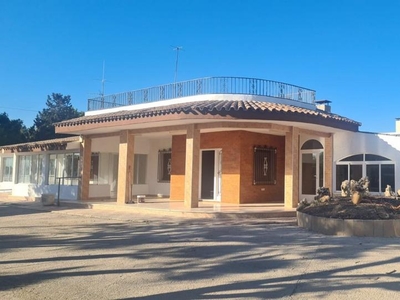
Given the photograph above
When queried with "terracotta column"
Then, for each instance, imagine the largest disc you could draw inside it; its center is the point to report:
(85, 163)
(292, 168)
(125, 167)
(328, 162)
(192, 165)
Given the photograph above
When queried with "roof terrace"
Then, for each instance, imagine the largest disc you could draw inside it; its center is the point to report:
(204, 86)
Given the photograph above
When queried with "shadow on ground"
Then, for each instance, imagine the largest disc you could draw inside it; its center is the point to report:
(258, 260)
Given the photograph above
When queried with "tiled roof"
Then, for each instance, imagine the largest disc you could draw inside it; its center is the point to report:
(41, 144)
(212, 107)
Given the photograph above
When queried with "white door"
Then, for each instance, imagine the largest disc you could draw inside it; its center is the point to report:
(312, 173)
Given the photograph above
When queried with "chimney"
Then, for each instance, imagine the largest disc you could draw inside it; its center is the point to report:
(324, 105)
(397, 125)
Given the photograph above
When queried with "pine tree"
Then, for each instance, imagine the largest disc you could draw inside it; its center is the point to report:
(59, 108)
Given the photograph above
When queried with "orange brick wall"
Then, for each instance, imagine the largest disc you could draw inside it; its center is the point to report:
(261, 193)
(237, 166)
(229, 142)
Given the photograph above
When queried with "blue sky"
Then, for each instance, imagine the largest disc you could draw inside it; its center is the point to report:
(348, 51)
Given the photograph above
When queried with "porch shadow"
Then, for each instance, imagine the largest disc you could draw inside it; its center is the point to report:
(267, 261)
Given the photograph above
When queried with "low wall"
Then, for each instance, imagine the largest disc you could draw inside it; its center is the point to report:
(99, 191)
(349, 227)
(33, 191)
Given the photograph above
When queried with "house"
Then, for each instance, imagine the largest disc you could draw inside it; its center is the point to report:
(227, 139)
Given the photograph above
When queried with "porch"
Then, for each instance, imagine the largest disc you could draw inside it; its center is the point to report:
(165, 207)
(205, 209)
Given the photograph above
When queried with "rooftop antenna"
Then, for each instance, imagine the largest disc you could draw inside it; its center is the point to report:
(103, 80)
(177, 49)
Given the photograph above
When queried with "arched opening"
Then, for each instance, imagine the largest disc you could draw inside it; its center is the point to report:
(312, 144)
(312, 167)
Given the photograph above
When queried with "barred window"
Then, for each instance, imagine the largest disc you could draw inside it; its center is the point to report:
(264, 166)
(164, 165)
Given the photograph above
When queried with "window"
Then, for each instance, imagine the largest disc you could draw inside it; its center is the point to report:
(379, 170)
(373, 157)
(164, 165)
(356, 172)
(7, 169)
(53, 169)
(30, 169)
(264, 166)
(140, 169)
(312, 145)
(94, 167)
(321, 169)
(387, 176)
(63, 165)
(373, 177)
(358, 157)
(342, 174)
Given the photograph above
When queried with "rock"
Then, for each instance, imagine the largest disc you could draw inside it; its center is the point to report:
(382, 213)
(388, 191)
(356, 198)
(325, 198)
(345, 189)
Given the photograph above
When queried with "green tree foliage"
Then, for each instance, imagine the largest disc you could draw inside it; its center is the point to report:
(12, 131)
(59, 108)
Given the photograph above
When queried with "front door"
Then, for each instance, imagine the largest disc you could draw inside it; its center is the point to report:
(210, 175)
(312, 173)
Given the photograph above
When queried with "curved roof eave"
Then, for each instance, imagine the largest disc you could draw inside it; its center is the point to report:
(253, 110)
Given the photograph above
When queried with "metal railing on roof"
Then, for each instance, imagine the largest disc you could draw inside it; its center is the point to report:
(203, 86)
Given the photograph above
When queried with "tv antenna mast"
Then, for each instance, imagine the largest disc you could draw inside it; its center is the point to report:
(103, 80)
(177, 49)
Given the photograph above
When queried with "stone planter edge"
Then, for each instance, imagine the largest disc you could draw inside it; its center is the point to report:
(349, 227)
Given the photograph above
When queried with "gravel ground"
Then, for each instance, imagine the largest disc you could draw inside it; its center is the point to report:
(88, 254)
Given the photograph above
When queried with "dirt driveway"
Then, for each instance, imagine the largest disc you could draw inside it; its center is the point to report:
(82, 254)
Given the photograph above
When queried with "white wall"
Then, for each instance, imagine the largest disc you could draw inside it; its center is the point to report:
(67, 192)
(156, 187)
(99, 190)
(106, 144)
(150, 146)
(6, 185)
(142, 146)
(104, 174)
(73, 146)
(351, 143)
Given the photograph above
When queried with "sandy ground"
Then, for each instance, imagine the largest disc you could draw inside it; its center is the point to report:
(88, 254)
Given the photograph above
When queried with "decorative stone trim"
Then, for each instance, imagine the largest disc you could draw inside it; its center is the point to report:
(349, 227)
